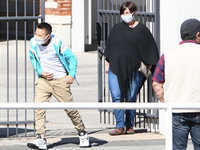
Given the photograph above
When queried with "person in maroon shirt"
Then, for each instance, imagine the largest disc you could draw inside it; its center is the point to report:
(178, 91)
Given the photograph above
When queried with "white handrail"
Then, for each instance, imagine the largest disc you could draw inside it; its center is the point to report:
(88, 105)
(167, 106)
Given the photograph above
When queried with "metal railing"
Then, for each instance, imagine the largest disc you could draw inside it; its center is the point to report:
(168, 107)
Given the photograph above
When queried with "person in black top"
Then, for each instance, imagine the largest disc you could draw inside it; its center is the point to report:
(129, 43)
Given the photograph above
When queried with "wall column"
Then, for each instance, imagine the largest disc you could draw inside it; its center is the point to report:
(77, 26)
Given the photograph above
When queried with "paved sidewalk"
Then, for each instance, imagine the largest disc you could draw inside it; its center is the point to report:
(98, 141)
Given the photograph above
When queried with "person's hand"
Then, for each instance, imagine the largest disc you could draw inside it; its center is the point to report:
(69, 80)
(47, 75)
(107, 66)
(149, 66)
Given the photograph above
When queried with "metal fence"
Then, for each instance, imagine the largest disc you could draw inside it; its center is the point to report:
(18, 20)
(108, 15)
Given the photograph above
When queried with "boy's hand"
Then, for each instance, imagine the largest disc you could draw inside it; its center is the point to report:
(69, 80)
(47, 75)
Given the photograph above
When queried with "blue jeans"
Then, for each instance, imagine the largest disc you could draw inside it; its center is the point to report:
(183, 124)
(116, 96)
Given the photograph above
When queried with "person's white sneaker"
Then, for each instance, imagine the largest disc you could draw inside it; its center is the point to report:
(39, 143)
(84, 139)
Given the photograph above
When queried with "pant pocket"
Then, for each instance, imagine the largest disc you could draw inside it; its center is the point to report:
(177, 121)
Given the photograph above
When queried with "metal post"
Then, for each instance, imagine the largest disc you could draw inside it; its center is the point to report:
(25, 61)
(43, 10)
(8, 112)
(33, 69)
(99, 17)
(16, 38)
(157, 23)
(168, 140)
(100, 72)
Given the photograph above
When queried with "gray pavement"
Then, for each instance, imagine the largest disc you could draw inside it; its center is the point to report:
(60, 131)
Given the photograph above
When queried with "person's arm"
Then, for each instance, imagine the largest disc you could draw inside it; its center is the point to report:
(71, 63)
(159, 79)
(158, 88)
(35, 62)
(71, 58)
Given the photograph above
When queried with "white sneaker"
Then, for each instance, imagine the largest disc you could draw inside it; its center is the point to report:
(39, 143)
(84, 139)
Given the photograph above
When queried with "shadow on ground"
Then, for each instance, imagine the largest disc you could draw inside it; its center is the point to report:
(94, 142)
(21, 132)
(75, 141)
(13, 132)
(107, 130)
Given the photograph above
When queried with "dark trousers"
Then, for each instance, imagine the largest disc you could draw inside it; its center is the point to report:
(183, 124)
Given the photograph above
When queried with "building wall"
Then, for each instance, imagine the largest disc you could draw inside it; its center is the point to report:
(78, 26)
(68, 19)
(58, 7)
(58, 14)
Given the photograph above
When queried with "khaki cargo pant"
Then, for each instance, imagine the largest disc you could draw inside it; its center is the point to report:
(61, 91)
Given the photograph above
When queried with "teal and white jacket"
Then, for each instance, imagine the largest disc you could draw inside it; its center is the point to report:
(67, 58)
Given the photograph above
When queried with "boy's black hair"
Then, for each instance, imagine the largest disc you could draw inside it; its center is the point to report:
(45, 26)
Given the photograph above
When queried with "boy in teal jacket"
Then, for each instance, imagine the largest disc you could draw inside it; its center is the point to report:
(56, 67)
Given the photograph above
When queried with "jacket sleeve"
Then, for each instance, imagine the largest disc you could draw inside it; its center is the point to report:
(71, 61)
(35, 63)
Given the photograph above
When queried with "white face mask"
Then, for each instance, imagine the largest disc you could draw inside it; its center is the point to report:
(41, 41)
(127, 18)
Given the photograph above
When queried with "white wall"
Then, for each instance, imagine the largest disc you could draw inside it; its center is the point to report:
(77, 39)
(172, 14)
(61, 26)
